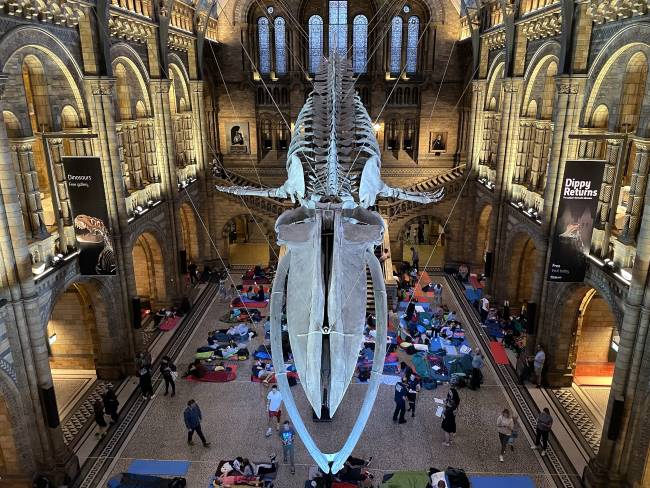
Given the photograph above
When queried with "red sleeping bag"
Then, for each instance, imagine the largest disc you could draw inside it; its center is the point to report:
(170, 323)
(229, 374)
(290, 374)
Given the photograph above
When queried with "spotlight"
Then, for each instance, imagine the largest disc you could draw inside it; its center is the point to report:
(376, 127)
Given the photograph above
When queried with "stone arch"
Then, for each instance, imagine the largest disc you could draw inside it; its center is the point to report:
(101, 314)
(603, 83)
(189, 232)
(69, 117)
(14, 128)
(577, 303)
(540, 83)
(60, 62)
(423, 232)
(149, 269)
(521, 266)
(245, 229)
(600, 117)
(180, 82)
(15, 453)
(136, 76)
(495, 76)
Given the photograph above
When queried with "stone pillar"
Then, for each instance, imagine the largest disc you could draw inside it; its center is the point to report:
(126, 174)
(566, 117)
(522, 164)
(56, 150)
(476, 125)
(166, 155)
(23, 154)
(607, 188)
(101, 103)
(542, 131)
(637, 191)
(617, 463)
(44, 439)
(148, 152)
(131, 148)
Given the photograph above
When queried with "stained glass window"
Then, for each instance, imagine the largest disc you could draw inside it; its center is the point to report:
(315, 42)
(264, 45)
(412, 44)
(280, 47)
(396, 45)
(359, 43)
(338, 29)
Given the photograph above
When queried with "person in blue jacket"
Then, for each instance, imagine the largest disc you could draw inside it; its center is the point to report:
(192, 417)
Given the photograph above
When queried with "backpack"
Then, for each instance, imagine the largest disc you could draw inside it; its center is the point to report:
(178, 483)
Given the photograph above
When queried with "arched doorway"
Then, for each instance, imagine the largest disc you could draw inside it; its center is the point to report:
(246, 241)
(426, 234)
(75, 350)
(189, 232)
(482, 234)
(149, 272)
(521, 268)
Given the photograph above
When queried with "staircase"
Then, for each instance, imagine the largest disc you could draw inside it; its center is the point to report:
(451, 180)
(267, 206)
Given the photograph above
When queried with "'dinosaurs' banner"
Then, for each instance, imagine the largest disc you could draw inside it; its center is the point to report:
(88, 202)
(575, 220)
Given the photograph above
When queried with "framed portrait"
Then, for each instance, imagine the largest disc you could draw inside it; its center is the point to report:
(437, 142)
(238, 137)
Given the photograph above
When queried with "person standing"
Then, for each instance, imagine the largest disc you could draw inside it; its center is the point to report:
(484, 308)
(273, 407)
(505, 426)
(413, 387)
(543, 429)
(401, 392)
(449, 415)
(98, 411)
(169, 374)
(287, 435)
(192, 417)
(415, 258)
(538, 364)
(477, 374)
(111, 404)
(144, 377)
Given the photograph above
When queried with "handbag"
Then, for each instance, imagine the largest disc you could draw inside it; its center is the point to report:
(174, 375)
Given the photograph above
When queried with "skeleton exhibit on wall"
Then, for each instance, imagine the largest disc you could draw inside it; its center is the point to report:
(333, 166)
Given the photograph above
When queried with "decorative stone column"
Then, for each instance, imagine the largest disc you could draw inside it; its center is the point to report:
(148, 152)
(566, 117)
(522, 164)
(56, 150)
(476, 125)
(126, 174)
(607, 188)
(131, 147)
(637, 192)
(23, 154)
(542, 130)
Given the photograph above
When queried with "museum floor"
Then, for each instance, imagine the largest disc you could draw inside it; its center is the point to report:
(234, 421)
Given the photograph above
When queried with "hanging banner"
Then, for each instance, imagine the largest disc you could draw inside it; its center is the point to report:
(88, 202)
(575, 220)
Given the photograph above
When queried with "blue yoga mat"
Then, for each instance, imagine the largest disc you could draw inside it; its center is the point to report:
(501, 481)
(160, 468)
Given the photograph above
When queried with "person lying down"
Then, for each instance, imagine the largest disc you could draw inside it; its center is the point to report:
(241, 471)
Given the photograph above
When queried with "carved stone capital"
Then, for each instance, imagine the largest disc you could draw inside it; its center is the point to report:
(101, 86)
(642, 147)
(567, 88)
(160, 86)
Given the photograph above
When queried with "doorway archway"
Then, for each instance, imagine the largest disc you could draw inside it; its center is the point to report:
(521, 267)
(247, 242)
(426, 234)
(482, 234)
(189, 232)
(149, 271)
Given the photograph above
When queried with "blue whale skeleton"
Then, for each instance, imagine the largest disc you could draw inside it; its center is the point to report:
(330, 238)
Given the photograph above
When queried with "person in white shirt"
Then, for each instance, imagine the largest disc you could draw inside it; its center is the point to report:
(273, 406)
(538, 364)
(485, 308)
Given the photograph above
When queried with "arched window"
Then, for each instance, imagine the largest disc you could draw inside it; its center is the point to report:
(280, 47)
(396, 45)
(267, 143)
(359, 43)
(338, 29)
(315, 42)
(392, 143)
(264, 45)
(412, 44)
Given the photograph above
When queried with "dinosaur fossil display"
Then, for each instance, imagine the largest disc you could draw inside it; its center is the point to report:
(92, 231)
(333, 166)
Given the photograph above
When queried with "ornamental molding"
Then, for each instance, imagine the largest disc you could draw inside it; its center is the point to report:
(568, 88)
(495, 40)
(129, 29)
(179, 42)
(67, 13)
(548, 24)
(603, 11)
